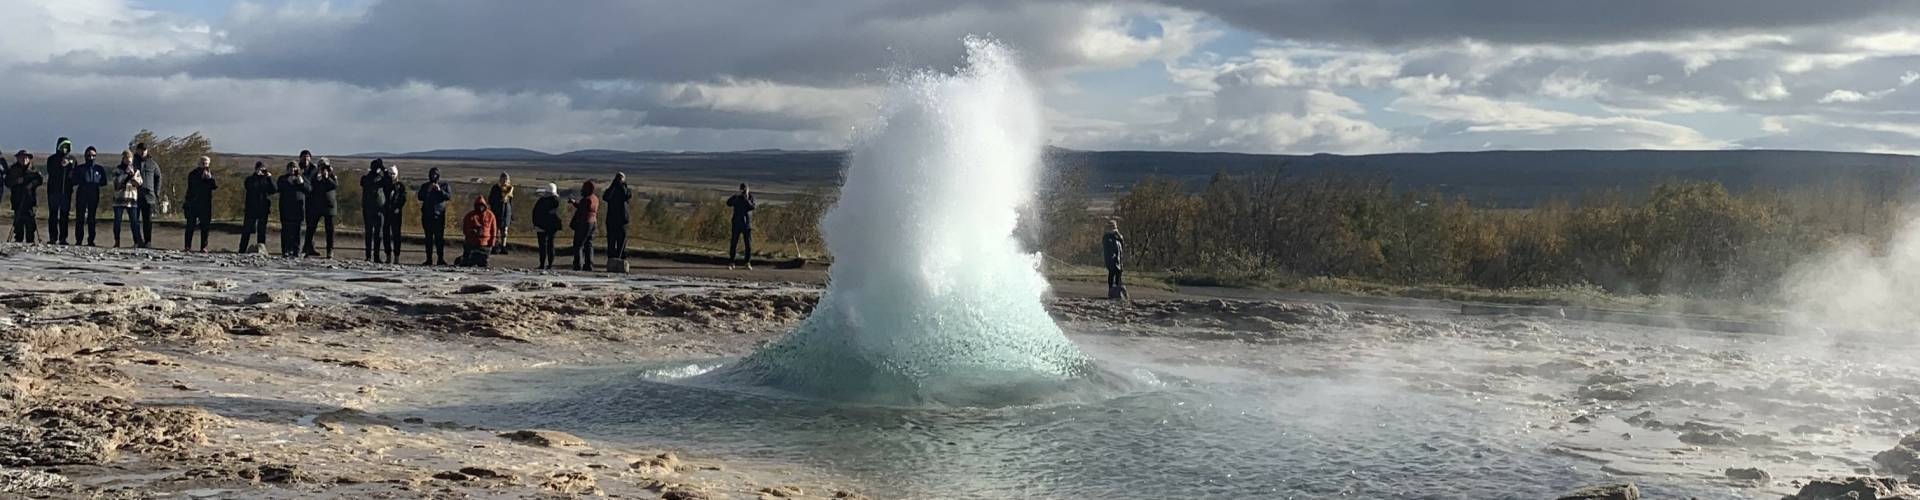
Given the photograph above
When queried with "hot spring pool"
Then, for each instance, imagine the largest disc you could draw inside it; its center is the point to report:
(1185, 433)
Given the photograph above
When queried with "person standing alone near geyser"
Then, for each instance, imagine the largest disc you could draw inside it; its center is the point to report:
(150, 182)
(434, 195)
(87, 179)
(22, 181)
(293, 189)
(259, 191)
(60, 191)
(1110, 249)
(199, 203)
(742, 226)
(373, 207)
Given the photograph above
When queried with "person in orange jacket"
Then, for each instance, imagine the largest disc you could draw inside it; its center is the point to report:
(480, 228)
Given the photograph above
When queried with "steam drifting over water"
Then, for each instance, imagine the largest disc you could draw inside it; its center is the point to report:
(931, 299)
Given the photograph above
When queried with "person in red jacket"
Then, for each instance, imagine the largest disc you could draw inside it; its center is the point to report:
(480, 228)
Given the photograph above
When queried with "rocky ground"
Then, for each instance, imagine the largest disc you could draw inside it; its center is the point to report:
(142, 374)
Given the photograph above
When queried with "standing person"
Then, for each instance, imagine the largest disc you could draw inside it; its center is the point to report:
(126, 199)
(60, 191)
(546, 222)
(199, 203)
(373, 208)
(22, 180)
(742, 226)
(150, 183)
(293, 189)
(87, 179)
(617, 197)
(1110, 246)
(585, 215)
(395, 212)
(479, 230)
(500, 199)
(260, 189)
(322, 205)
(434, 195)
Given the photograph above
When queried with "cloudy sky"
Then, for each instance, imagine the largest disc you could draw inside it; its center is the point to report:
(1268, 76)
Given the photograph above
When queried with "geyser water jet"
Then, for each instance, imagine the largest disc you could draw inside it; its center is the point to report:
(930, 299)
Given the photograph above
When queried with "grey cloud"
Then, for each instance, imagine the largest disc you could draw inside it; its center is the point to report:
(1407, 22)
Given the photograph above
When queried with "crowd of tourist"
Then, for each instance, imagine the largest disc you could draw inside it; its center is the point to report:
(308, 201)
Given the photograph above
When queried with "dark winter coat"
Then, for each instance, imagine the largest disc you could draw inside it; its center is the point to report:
(59, 178)
(546, 214)
(396, 199)
(259, 191)
(87, 180)
(24, 183)
(373, 191)
(742, 211)
(200, 185)
(150, 179)
(1110, 246)
(293, 197)
(435, 203)
(618, 195)
(325, 198)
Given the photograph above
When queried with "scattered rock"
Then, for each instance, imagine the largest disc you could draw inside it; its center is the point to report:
(1749, 474)
(92, 433)
(478, 288)
(683, 492)
(453, 476)
(848, 495)
(572, 483)
(551, 439)
(276, 297)
(784, 491)
(1623, 491)
(276, 474)
(484, 473)
(1856, 488)
(376, 279)
(22, 481)
(664, 463)
(1904, 458)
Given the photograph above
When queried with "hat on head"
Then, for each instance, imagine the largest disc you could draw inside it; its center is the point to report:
(23, 154)
(304, 152)
(377, 164)
(140, 146)
(63, 143)
(90, 149)
(551, 189)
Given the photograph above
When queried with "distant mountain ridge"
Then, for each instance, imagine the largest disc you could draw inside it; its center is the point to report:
(1486, 178)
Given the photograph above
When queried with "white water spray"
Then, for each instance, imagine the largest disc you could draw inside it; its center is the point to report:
(930, 298)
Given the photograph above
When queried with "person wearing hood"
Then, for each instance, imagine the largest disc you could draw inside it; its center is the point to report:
(373, 207)
(585, 218)
(199, 203)
(500, 199)
(150, 184)
(546, 222)
(87, 179)
(126, 200)
(322, 205)
(22, 181)
(60, 192)
(259, 189)
(434, 195)
(293, 188)
(618, 196)
(479, 229)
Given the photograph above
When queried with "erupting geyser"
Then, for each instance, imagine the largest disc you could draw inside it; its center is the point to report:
(930, 299)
